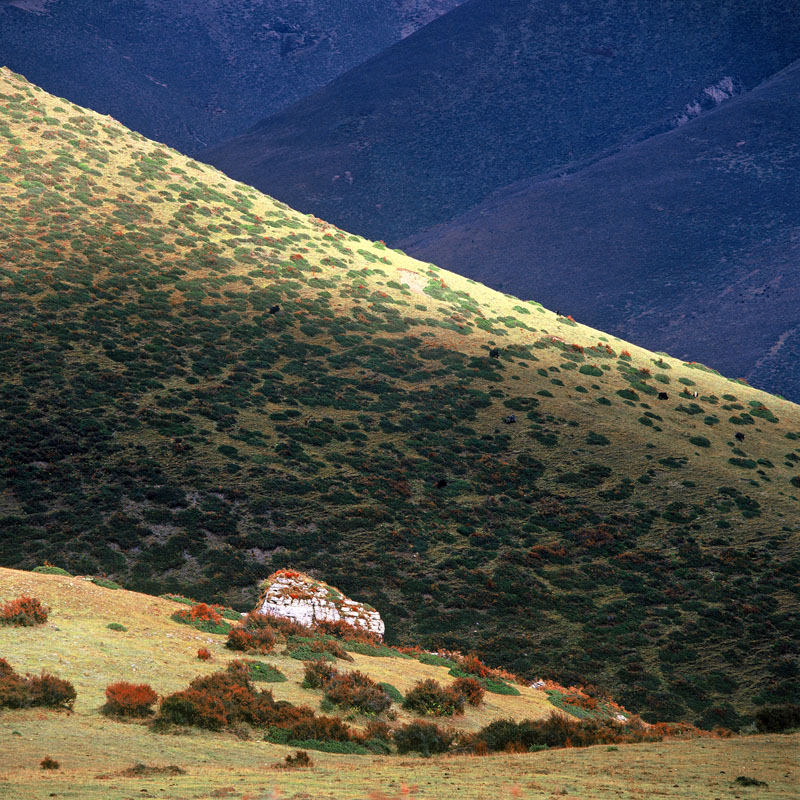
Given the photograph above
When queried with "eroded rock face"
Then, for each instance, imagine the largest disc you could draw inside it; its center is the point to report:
(296, 596)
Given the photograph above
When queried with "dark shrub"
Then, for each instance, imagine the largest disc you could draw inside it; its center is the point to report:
(129, 699)
(425, 738)
(299, 760)
(429, 697)
(776, 719)
(470, 689)
(24, 612)
(49, 763)
(192, 707)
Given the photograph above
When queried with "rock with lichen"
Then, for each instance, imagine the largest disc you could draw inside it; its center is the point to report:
(299, 597)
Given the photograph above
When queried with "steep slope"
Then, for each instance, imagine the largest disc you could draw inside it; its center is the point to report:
(687, 242)
(200, 385)
(499, 90)
(195, 73)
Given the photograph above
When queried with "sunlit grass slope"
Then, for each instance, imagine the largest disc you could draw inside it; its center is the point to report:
(200, 385)
(93, 749)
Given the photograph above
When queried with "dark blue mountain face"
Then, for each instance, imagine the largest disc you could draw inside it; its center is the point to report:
(688, 242)
(500, 90)
(194, 73)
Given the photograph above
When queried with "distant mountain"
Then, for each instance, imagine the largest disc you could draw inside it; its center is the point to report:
(191, 74)
(500, 90)
(199, 385)
(688, 242)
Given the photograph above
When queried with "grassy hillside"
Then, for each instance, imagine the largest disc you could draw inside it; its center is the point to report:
(94, 750)
(687, 239)
(200, 385)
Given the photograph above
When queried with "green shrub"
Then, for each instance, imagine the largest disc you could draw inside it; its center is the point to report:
(105, 583)
(49, 569)
(394, 693)
(116, 626)
(700, 441)
(588, 369)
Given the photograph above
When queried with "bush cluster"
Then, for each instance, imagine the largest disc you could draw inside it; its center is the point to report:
(430, 697)
(46, 690)
(425, 738)
(260, 640)
(561, 731)
(129, 699)
(346, 689)
(227, 699)
(24, 612)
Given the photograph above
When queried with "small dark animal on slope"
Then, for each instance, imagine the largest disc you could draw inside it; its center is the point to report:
(274, 309)
(510, 419)
(663, 396)
(739, 436)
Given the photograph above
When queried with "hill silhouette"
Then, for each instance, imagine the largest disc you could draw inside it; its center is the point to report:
(685, 242)
(496, 91)
(194, 74)
(201, 385)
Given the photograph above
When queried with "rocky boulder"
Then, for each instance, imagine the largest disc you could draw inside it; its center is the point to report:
(299, 597)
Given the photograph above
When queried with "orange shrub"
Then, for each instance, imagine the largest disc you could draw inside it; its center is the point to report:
(261, 640)
(46, 690)
(24, 612)
(129, 699)
(204, 654)
(199, 613)
(470, 689)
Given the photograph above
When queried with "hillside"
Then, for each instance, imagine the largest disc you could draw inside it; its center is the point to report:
(687, 240)
(201, 385)
(94, 750)
(500, 90)
(195, 73)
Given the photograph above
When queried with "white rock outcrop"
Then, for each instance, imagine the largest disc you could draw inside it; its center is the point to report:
(293, 595)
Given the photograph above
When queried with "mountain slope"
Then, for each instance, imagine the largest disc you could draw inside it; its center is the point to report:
(499, 90)
(201, 385)
(195, 73)
(687, 242)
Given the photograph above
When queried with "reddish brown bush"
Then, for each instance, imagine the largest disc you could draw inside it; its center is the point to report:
(287, 627)
(199, 613)
(24, 612)
(129, 699)
(204, 654)
(356, 690)
(473, 665)
(343, 630)
(192, 707)
(46, 690)
(260, 640)
(429, 697)
(326, 729)
(299, 760)
(318, 673)
(470, 689)
(49, 763)
(50, 691)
